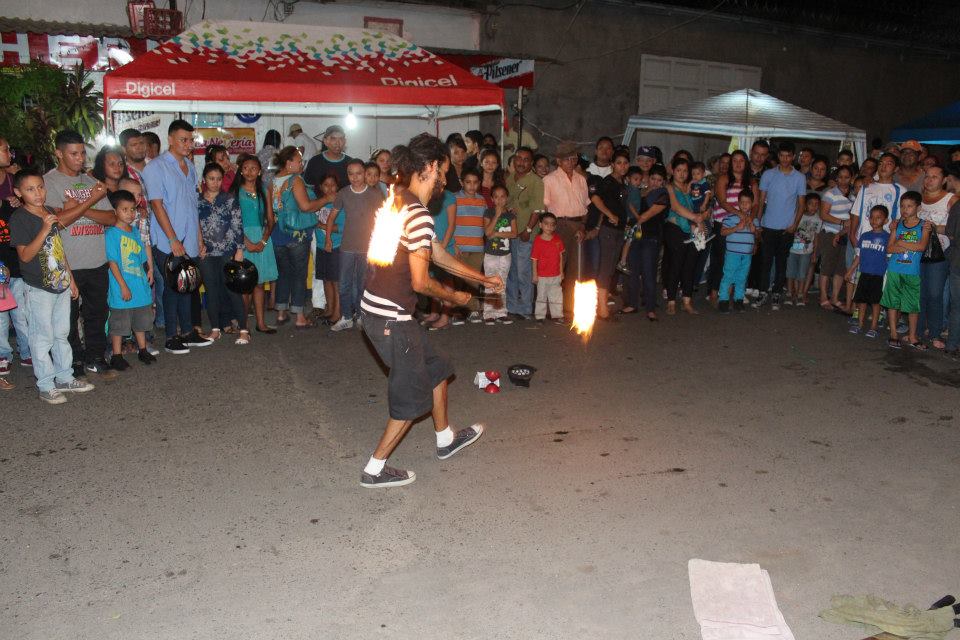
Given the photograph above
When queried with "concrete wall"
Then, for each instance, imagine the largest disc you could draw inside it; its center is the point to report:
(869, 88)
(426, 26)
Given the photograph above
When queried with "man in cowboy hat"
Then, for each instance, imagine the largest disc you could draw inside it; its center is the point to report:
(565, 195)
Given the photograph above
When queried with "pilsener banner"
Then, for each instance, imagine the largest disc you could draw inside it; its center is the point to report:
(506, 72)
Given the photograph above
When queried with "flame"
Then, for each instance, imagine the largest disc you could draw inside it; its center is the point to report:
(584, 307)
(387, 229)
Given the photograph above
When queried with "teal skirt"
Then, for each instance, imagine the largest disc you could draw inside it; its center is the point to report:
(266, 260)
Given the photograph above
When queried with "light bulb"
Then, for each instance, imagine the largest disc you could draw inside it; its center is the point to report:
(350, 121)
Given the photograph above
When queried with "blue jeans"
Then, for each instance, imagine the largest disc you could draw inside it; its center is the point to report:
(17, 317)
(953, 341)
(353, 274)
(176, 306)
(520, 278)
(933, 275)
(736, 267)
(292, 262)
(48, 321)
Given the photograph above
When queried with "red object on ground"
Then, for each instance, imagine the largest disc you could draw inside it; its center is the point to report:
(492, 376)
(492, 388)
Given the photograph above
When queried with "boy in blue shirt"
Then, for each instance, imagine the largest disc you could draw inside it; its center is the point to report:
(901, 292)
(129, 294)
(872, 262)
(741, 236)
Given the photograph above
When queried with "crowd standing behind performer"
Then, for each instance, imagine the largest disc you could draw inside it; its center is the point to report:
(778, 223)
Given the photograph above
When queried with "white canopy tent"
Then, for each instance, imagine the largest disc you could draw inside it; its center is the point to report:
(747, 115)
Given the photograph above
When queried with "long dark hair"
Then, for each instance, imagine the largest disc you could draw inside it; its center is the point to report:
(498, 176)
(272, 139)
(410, 159)
(100, 163)
(238, 184)
(732, 179)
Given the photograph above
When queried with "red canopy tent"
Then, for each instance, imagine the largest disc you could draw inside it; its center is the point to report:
(230, 67)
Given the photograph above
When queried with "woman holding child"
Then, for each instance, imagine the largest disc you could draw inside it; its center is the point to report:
(681, 253)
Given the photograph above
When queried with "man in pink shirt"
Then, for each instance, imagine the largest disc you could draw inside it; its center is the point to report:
(565, 195)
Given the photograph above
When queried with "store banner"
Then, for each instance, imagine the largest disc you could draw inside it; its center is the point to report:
(235, 139)
(506, 72)
(96, 54)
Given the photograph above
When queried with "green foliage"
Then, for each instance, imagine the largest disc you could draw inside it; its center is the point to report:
(39, 99)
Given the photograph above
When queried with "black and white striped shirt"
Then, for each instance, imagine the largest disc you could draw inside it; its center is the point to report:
(389, 291)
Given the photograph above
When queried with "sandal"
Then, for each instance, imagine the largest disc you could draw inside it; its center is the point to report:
(244, 337)
(269, 330)
(303, 327)
(939, 344)
(231, 330)
(214, 334)
(918, 345)
(284, 320)
(893, 343)
(826, 305)
(625, 312)
(652, 317)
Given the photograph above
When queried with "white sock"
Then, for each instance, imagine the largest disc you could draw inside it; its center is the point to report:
(445, 437)
(374, 467)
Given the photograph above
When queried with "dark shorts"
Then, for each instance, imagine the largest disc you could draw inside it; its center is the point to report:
(123, 322)
(327, 265)
(415, 366)
(869, 289)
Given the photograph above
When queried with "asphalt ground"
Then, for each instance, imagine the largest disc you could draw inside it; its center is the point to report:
(216, 495)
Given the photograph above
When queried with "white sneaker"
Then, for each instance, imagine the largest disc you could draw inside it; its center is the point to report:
(342, 325)
(475, 318)
(4, 366)
(74, 386)
(53, 397)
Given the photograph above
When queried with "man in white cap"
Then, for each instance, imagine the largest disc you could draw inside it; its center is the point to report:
(303, 142)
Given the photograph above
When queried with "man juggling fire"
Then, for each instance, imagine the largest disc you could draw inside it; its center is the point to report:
(402, 247)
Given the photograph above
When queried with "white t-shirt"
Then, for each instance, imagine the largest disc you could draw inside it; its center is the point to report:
(937, 213)
(602, 172)
(873, 194)
(309, 146)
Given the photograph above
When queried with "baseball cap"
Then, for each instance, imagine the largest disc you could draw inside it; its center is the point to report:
(646, 152)
(912, 145)
(294, 129)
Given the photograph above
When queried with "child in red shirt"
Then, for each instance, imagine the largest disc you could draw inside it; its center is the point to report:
(547, 256)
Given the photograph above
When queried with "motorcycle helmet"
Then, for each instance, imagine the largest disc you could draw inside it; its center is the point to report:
(182, 274)
(240, 277)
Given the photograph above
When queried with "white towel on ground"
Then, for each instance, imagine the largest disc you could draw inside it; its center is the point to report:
(735, 602)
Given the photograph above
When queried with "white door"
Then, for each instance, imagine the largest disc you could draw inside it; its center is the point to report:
(668, 82)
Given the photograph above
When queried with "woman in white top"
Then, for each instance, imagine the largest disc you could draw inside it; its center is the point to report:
(835, 214)
(933, 275)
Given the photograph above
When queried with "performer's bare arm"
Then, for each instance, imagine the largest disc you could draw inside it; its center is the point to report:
(445, 261)
(427, 286)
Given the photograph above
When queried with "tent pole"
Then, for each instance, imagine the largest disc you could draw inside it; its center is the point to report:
(520, 122)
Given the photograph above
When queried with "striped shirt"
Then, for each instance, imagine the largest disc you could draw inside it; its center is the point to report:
(840, 206)
(469, 232)
(389, 290)
(738, 241)
(732, 198)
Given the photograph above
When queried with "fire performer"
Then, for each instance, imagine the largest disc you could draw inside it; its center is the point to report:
(417, 382)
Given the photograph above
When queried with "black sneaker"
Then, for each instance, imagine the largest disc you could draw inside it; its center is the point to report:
(724, 306)
(144, 356)
(175, 345)
(194, 339)
(739, 306)
(98, 366)
(388, 477)
(78, 371)
(775, 302)
(119, 363)
(623, 268)
(463, 438)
